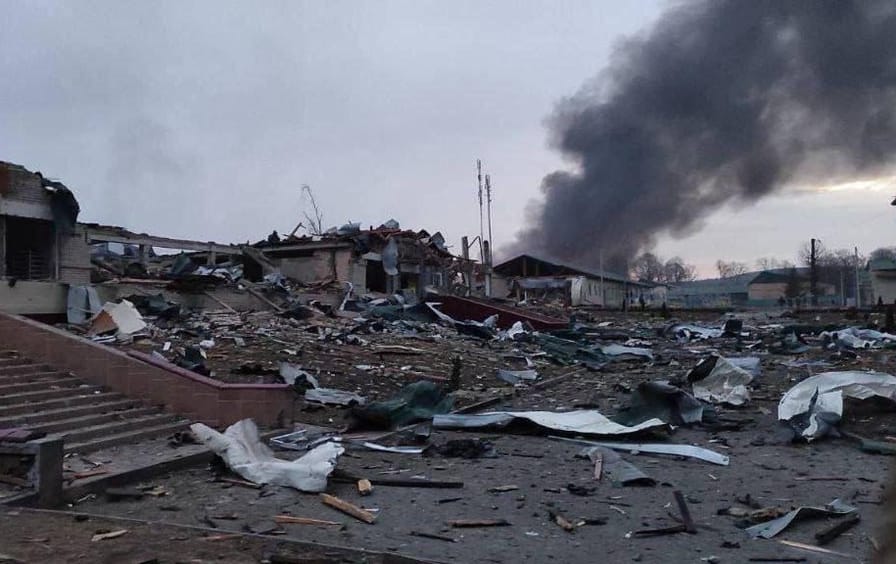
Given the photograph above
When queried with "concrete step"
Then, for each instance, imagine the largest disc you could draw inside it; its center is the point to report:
(69, 400)
(41, 395)
(30, 418)
(34, 377)
(127, 437)
(18, 387)
(111, 428)
(24, 368)
(12, 361)
(90, 420)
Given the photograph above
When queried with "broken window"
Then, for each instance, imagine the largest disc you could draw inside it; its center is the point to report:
(376, 276)
(29, 248)
(409, 280)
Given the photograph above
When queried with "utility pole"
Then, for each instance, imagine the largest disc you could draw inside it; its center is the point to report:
(842, 287)
(465, 253)
(603, 296)
(858, 293)
(488, 244)
(813, 274)
(481, 232)
(488, 200)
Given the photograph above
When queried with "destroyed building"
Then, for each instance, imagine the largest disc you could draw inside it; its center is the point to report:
(526, 276)
(44, 251)
(386, 259)
(41, 245)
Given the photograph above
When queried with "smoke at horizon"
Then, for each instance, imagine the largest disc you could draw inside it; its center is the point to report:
(723, 101)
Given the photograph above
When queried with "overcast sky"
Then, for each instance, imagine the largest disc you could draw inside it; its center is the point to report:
(202, 120)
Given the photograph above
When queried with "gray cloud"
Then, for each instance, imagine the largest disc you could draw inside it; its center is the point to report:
(202, 119)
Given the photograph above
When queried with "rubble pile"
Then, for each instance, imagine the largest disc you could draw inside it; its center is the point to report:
(637, 397)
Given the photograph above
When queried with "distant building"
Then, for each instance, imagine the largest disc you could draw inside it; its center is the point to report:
(527, 276)
(882, 274)
(752, 289)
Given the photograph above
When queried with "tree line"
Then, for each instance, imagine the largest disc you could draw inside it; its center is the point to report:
(833, 266)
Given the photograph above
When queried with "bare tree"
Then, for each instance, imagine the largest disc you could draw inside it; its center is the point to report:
(647, 268)
(883, 253)
(316, 219)
(821, 253)
(676, 270)
(730, 269)
(653, 269)
(836, 267)
(772, 263)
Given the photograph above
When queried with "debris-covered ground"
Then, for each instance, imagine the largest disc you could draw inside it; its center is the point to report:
(57, 536)
(499, 494)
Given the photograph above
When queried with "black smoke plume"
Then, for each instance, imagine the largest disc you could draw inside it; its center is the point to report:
(723, 101)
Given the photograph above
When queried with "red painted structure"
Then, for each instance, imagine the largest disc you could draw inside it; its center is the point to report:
(463, 309)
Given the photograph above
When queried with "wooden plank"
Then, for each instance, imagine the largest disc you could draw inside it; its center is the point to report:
(827, 535)
(258, 295)
(348, 508)
(468, 523)
(220, 302)
(365, 487)
(686, 519)
(303, 520)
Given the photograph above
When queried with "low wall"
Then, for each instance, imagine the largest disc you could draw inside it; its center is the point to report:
(140, 376)
(33, 297)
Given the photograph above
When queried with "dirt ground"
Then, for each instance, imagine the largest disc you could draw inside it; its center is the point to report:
(34, 536)
(531, 478)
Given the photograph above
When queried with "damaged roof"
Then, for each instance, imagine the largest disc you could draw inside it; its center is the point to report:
(515, 267)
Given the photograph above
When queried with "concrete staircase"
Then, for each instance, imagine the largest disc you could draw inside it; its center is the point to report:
(37, 397)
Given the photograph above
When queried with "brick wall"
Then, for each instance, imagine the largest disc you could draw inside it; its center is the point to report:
(74, 257)
(139, 376)
(21, 184)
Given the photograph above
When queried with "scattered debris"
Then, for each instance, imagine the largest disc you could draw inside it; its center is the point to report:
(686, 519)
(828, 534)
(289, 519)
(609, 464)
(119, 494)
(462, 448)
(106, 535)
(658, 448)
(662, 401)
(245, 454)
(501, 489)
(415, 402)
(562, 522)
(517, 376)
(718, 380)
(433, 536)
(470, 523)
(365, 487)
(348, 508)
(589, 422)
(771, 528)
(121, 319)
(814, 406)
